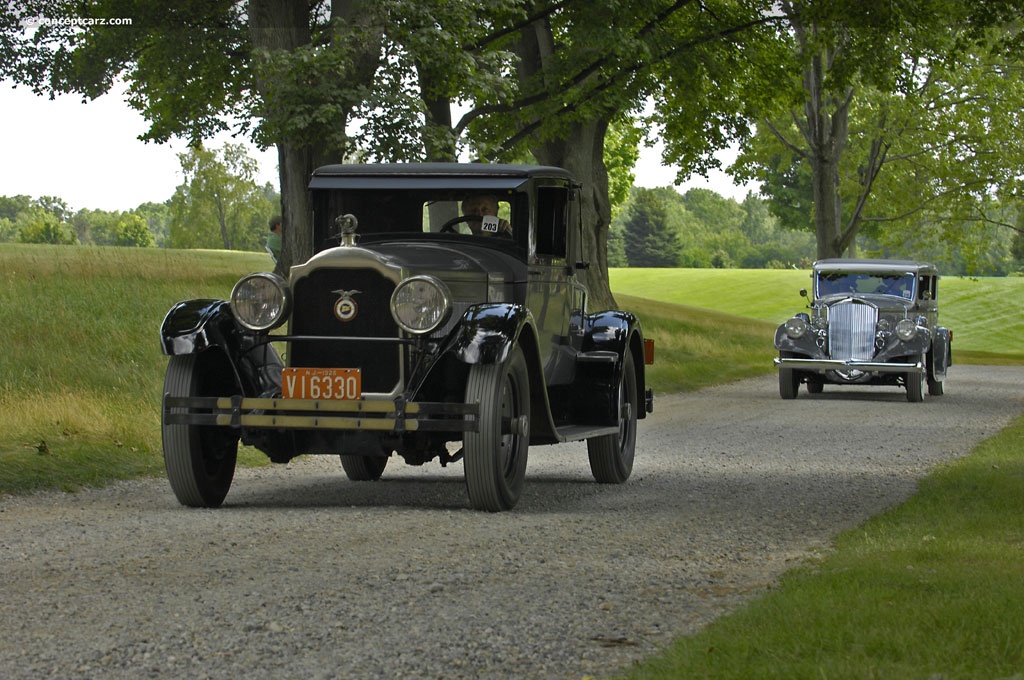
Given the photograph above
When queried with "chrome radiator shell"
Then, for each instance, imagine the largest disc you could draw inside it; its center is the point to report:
(851, 330)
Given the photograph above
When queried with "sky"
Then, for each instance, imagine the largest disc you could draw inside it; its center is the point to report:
(89, 154)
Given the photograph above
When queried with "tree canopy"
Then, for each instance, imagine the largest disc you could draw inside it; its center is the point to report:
(822, 94)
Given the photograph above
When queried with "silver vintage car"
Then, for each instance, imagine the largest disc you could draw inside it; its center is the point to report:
(871, 322)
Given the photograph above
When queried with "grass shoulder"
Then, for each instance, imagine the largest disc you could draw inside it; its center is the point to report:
(929, 589)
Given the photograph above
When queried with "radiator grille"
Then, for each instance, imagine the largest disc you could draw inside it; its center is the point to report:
(851, 331)
(314, 315)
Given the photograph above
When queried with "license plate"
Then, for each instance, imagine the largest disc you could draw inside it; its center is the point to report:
(321, 383)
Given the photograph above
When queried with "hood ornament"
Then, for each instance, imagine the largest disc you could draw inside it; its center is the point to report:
(347, 225)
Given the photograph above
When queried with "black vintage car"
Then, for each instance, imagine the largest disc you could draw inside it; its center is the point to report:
(440, 317)
(871, 322)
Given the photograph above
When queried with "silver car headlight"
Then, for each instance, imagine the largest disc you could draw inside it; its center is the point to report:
(420, 304)
(261, 301)
(906, 329)
(796, 327)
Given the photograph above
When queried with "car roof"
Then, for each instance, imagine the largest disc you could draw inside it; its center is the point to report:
(469, 176)
(868, 265)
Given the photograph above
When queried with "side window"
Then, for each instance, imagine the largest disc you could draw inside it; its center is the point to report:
(552, 221)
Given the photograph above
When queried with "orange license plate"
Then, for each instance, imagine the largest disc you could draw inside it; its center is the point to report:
(322, 383)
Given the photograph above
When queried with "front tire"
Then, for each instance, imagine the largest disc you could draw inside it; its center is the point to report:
(915, 387)
(495, 455)
(199, 459)
(789, 381)
(935, 387)
(611, 456)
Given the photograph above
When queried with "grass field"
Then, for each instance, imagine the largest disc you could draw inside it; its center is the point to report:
(931, 589)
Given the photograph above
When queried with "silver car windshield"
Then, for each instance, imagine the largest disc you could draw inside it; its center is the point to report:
(851, 283)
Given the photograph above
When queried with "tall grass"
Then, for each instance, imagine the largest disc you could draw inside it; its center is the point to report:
(81, 367)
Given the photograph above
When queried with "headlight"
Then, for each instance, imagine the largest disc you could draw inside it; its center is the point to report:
(420, 304)
(906, 329)
(796, 327)
(884, 326)
(261, 301)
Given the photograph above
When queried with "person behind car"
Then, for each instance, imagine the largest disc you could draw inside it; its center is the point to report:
(274, 238)
(485, 205)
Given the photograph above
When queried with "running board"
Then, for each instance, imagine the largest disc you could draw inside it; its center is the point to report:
(573, 433)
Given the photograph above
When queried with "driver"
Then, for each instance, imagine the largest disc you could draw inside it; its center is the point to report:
(481, 206)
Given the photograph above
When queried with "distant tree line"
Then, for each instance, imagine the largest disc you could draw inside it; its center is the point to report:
(701, 229)
(219, 206)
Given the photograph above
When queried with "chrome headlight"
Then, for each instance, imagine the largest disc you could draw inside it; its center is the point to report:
(420, 304)
(261, 301)
(884, 326)
(796, 327)
(906, 329)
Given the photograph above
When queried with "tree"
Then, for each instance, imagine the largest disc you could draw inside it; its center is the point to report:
(158, 217)
(548, 77)
(650, 238)
(39, 225)
(894, 116)
(219, 205)
(132, 231)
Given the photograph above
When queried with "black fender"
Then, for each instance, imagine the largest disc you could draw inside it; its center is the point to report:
(609, 334)
(940, 356)
(193, 326)
(202, 325)
(488, 332)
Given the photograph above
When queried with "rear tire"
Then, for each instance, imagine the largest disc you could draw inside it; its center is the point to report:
(611, 456)
(199, 459)
(363, 468)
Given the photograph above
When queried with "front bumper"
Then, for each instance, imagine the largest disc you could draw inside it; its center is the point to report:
(804, 364)
(397, 415)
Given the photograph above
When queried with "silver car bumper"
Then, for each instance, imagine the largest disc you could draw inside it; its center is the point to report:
(849, 364)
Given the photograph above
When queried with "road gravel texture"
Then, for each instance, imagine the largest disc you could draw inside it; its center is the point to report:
(303, 574)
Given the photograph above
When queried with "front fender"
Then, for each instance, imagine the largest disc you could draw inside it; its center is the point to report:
(196, 325)
(488, 332)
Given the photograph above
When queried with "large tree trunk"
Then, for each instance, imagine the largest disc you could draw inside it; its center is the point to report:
(284, 25)
(580, 151)
(825, 134)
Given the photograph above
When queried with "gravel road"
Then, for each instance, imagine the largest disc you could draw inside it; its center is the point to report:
(305, 575)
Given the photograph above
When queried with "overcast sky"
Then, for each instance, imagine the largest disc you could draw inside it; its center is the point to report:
(90, 155)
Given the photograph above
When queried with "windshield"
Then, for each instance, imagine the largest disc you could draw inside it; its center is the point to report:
(420, 211)
(846, 283)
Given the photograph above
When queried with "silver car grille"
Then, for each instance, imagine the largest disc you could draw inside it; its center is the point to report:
(851, 331)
